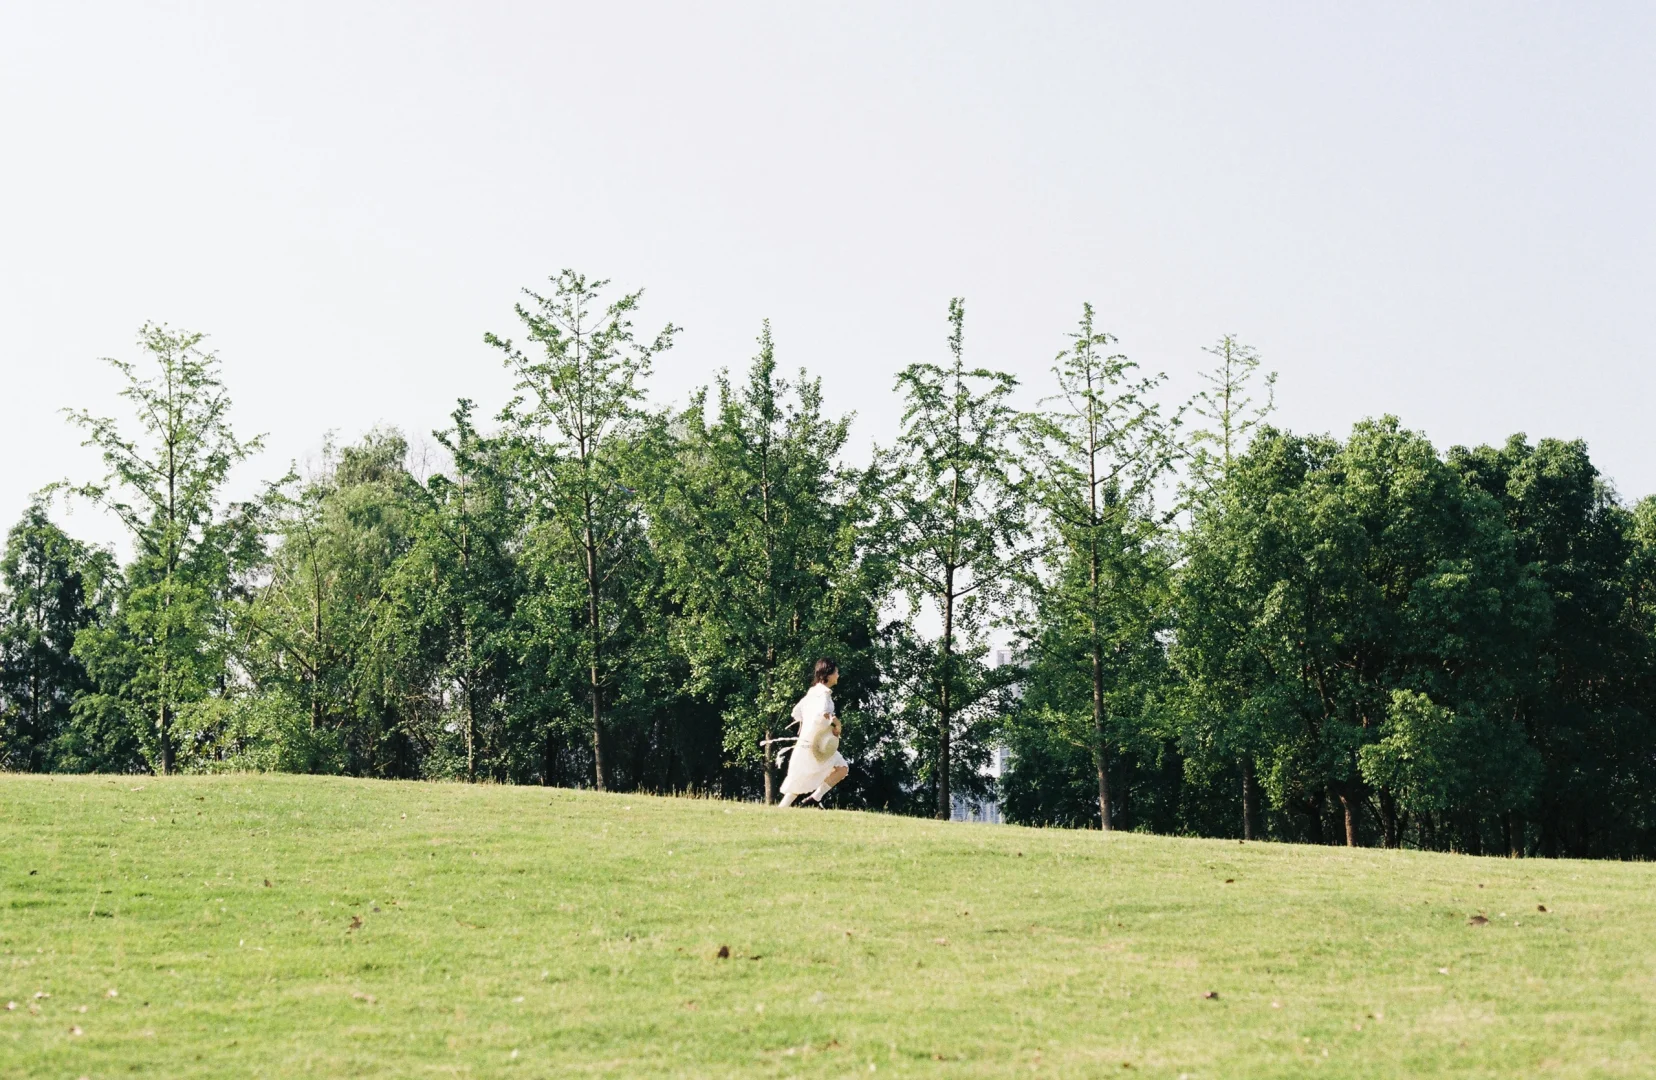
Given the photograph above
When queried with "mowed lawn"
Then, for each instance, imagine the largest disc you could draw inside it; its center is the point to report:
(288, 926)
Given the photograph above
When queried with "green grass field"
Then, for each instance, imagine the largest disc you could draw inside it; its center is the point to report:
(286, 926)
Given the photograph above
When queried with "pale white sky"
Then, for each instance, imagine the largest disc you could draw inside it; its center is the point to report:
(1439, 210)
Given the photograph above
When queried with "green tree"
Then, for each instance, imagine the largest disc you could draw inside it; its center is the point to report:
(1228, 411)
(452, 599)
(1329, 578)
(1097, 451)
(950, 520)
(579, 404)
(312, 633)
(1235, 402)
(757, 524)
(1588, 711)
(51, 588)
(164, 481)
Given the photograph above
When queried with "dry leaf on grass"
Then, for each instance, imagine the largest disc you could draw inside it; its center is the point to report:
(356, 923)
(724, 952)
(1540, 907)
(1211, 995)
(1477, 920)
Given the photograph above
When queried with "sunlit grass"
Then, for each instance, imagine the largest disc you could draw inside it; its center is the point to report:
(275, 926)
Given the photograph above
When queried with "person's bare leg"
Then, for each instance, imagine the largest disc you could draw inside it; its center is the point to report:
(840, 773)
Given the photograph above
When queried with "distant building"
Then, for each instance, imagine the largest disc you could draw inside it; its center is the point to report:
(986, 811)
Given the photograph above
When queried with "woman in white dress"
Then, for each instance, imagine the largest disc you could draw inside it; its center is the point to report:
(815, 764)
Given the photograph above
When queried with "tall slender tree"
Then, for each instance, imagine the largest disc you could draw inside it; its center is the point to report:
(165, 482)
(1229, 409)
(580, 386)
(1097, 451)
(951, 519)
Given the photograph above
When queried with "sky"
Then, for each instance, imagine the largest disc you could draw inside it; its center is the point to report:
(1439, 211)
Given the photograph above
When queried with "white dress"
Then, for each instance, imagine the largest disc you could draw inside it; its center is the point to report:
(806, 768)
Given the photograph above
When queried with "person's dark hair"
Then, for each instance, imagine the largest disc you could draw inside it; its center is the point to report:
(825, 669)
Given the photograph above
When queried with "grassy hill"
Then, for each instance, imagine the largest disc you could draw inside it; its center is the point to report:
(276, 926)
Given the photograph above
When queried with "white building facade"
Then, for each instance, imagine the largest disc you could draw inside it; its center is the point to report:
(986, 811)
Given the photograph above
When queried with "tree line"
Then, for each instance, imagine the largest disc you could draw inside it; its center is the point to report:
(1219, 627)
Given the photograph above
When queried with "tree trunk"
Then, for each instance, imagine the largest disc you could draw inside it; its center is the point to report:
(35, 738)
(595, 628)
(597, 733)
(1102, 756)
(471, 730)
(770, 771)
(1250, 798)
(165, 726)
(766, 749)
(946, 670)
(1103, 786)
(1350, 819)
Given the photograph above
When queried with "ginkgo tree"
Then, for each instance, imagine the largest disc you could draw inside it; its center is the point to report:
(1096, 450)
(580, 376)
(950, 523)
(165, 472)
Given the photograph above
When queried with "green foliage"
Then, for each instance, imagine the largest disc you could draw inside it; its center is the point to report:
(1096, 454)
(757, 526)
(578, 406)
(51, 588)
(1219, 627)
(1587, 709)
(319, 635)
(950, 519)
(1228, 411)
(266, 732)
(166, 647)
(1333, 576)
